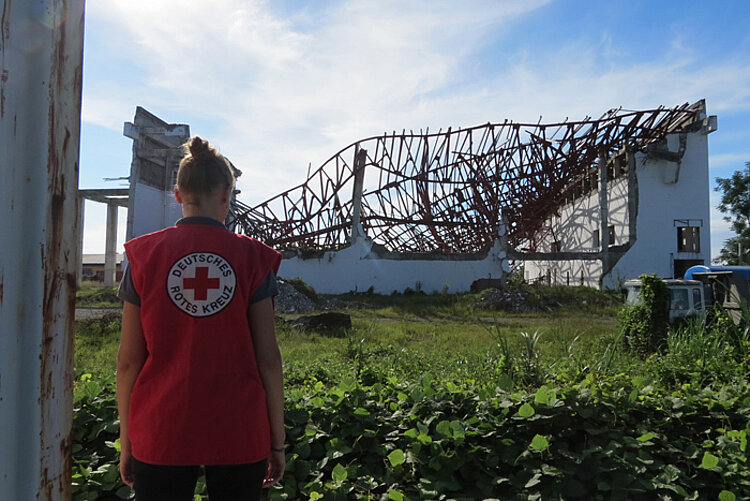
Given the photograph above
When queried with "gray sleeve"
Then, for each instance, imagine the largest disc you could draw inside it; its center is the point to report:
(127, 291)
(269, 288)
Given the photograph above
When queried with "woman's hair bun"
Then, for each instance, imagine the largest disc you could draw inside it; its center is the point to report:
(199, 148)
(202, 168)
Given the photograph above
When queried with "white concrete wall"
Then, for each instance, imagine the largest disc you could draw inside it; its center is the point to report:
(357, 268)
(154, 209)
(662, 204)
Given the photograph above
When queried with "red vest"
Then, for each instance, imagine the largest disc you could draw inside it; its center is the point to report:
(199, 398)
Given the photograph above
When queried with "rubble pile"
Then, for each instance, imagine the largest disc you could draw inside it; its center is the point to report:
(290, 300)
(510, 300)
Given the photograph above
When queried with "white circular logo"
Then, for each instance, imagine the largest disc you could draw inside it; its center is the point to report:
(201, 284)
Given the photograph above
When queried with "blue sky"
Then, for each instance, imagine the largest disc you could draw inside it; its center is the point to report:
(279, 85)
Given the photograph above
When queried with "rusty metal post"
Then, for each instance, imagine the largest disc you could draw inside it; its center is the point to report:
(110, 250)
(360, 155)
(41, 55)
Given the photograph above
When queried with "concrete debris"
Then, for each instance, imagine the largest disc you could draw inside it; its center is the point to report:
(290, 300)
(510, 300)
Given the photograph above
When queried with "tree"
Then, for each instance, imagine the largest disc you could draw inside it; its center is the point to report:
(735, 203)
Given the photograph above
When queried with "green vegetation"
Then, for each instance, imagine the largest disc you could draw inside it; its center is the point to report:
(95, 295)
(430, 398)
(735, 204)
(645, 325)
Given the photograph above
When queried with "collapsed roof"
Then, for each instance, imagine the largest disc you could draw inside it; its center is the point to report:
(447, 191)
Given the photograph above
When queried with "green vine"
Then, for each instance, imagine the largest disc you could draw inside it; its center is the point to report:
(644, 326)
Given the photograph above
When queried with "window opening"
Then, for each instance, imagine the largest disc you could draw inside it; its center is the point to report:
(688, 239)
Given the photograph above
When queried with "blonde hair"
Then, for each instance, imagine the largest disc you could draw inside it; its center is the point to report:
(203, 169)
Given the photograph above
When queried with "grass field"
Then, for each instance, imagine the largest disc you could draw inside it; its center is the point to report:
(429, 397)
(404, 334)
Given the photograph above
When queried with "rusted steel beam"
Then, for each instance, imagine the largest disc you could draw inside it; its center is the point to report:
(428, 181)
(40, 104)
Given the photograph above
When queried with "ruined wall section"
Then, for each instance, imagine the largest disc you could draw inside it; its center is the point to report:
(364, 265)
(672, 218)
(577, 228)
(156, 155)
(673, 211)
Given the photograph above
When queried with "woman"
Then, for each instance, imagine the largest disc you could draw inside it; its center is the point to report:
(199, 378)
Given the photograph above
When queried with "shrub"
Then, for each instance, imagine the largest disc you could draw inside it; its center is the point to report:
(644, 326)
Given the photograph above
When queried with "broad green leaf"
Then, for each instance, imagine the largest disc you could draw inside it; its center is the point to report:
(539, 443)
(444, 428)
(526, 410)
(646, 437)
(727, 496)
(417, 394)
(504, 382)
(339, 473)
(315, 495)
(395, 495)
(424, 438)
(114, 445)
(742, 435)
(544, 396)
(457, 429)
(348, 384)
(633, 395)
(396, 457)
(709, 461)
(361, 412)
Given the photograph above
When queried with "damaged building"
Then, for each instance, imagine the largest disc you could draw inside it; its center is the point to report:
(589, 202)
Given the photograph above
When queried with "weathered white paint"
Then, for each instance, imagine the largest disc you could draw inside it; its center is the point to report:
(41, 53)
(156, 155)
(156, 209)
(359, 267)
(669, 194)
(110, 255)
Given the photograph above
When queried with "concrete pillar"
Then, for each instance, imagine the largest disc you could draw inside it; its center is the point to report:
(79, 254)
(603, 212)
(41, 57)
(632, 199)
(110, 250)
(360, 156)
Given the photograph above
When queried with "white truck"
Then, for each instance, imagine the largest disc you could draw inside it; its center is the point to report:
(702, 287)
(686, 297)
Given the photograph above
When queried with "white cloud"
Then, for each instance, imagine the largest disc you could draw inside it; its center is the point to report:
(279, 94)
(284, 97)
(729, 159)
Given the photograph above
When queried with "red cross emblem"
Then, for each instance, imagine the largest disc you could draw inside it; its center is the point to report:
(200, 284)
(209, 277)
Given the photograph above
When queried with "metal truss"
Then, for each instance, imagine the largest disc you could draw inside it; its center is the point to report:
(448, 191)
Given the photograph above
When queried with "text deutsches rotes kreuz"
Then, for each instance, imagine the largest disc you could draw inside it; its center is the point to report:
(201, 283)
